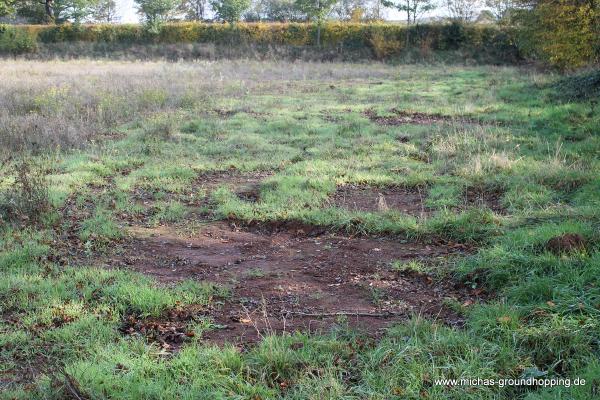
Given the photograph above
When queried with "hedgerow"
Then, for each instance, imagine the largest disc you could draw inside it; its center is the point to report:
(383, 40)
(15, 41)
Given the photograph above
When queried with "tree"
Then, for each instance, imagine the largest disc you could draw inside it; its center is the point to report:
(56, 11)
(274, 10)
(412, 8)
(566, 32)
(106, 11)
(500, 8)
(316, 10)
(256, 11)
(485, 17)
(155, 12)
(194, 10)
(463, 10)
(349, 10)
(230, 10)
(281, 10)
(77, 10)
(374, 10)
(6, 7)
(36, 11)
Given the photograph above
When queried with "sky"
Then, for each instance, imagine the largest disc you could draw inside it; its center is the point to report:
(127, 12)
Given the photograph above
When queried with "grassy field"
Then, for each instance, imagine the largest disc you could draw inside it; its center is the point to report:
(258, 230)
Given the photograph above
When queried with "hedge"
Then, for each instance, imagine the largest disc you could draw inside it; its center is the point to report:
(15, 41)
(383, 39)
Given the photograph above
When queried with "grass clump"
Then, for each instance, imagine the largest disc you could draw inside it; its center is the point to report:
(171, 212)
(411, 266)
(100, 229)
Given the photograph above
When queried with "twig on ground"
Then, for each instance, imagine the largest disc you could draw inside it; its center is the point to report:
(72, 388)
(386, 314)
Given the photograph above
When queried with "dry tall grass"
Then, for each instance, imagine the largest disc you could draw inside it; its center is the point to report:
(61, 104)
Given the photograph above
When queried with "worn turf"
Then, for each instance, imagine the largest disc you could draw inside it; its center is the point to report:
(276, 230)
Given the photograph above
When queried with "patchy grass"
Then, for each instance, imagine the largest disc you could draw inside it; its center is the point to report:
(148, 136)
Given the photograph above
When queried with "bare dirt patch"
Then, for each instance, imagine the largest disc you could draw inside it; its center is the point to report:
(372, 199)
(286, 282)
(402, 117)
(223, 113)
(481, 197)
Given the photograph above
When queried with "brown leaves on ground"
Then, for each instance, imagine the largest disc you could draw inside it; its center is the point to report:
(170, 330)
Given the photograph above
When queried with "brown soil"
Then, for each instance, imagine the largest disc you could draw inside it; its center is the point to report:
(478, 197)
(566, 243)
(401, 117)
(370, 199)
(283, 276)
(286, 282)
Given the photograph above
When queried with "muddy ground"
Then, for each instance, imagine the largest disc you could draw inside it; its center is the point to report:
(370, 199)
(285, 278)
(286, 281)
(403, 117)
(409, 201)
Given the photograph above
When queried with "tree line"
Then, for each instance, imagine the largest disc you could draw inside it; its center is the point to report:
(155, 11)
(565, 33)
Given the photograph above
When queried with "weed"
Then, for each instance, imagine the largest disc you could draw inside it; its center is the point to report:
(100, 229)
(24, 192)
(411, 266)
(169, 212)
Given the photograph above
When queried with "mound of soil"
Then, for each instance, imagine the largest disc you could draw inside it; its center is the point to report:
(566, 243)
(370, 199)
(284, 281)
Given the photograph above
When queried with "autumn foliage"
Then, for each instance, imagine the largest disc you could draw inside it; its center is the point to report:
(568, 32)
(381, 40)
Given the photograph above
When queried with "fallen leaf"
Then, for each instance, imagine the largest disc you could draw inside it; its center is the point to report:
(398, 391)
